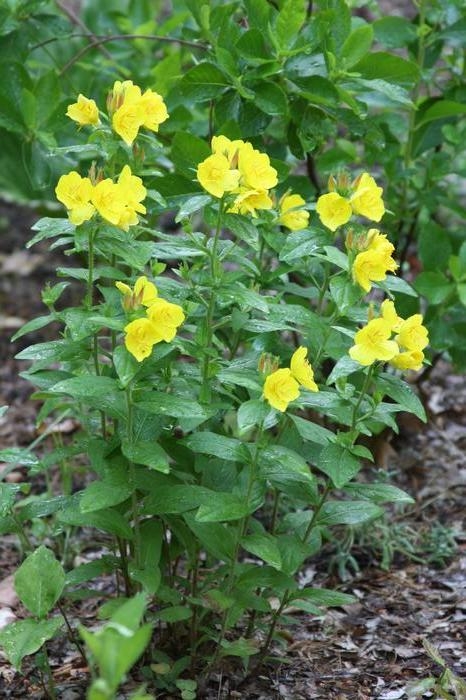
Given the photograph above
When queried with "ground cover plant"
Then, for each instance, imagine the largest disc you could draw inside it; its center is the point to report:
(222, 373)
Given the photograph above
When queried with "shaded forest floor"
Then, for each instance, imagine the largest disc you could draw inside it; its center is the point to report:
(374, 649)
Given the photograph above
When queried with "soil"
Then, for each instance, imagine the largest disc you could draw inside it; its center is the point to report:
(408, 624)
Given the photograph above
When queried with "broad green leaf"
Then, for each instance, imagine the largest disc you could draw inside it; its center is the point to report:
(241, 647)
(386, 66)
(148, 453)
(394, 32)
(313, 432)
(325, 597)
(397, 285)
(356, 45)
(107, 520)
(191, 205)
(126, 365)
(280, 465)
(20, 456)
(402, 393)
(348, 513)
(187, 152)
(51, 228)
(174, 613)
(216, 538)
(203, 82)
(379, 493)
(434, 286)
(441, 109)
(176, 498)
(265, 547)
(101, 393)
(289, 21)
(270, 98)
(216, 445)
(300, 244)
(39, 581)
(25, 637)
(33, 325)
(169, 405)
(338, 463)
(343, 368)
(223, 507)
(113, 489)
(251, 45)
(251, 414)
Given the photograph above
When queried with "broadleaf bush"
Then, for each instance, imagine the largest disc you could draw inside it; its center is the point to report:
(266, 237)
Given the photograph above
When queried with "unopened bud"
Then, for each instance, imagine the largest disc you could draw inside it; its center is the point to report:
(268, 363)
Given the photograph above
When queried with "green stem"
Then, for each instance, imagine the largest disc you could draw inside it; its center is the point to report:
(132, 472)
(50, 684)
(90, 276)
(358, 403)
(206, 394)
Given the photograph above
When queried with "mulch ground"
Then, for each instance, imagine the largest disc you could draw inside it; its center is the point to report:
(408, 621)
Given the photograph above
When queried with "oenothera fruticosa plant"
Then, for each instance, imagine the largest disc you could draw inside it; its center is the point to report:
(222, 376)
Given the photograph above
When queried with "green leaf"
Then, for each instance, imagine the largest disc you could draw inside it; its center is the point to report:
(251, 46)
(389, 67)
(191, 205)
(39, 581)
(356, 45)
(113, 489)
(203, 82)
(379, 493)
(338, 463)
(394, 32)
(175, 613)
(397, 285)
(33, 325)
(240, 647)
(441, 109)
(223, 507)
(168, 405)
(270, 98)
(402, 393)
(126, 366)
(187, 152)
(324, 597)
(281, 465)
(216, 538)
(148, 453)
(289, 21)
(101, 393)
(251, 414)
(176, 498)
(300, 244)
(434, 286)
(265, 547)
(343, 368)
(348, 513)
(25, 637)
(107, 520)
(221, 446)
(51, 228)
(313, 432)
(20, 456)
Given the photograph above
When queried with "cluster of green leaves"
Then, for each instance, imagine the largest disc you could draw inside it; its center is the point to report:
(208, 500)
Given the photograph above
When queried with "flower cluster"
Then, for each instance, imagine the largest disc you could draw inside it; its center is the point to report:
(363, 197)
(236, 167)
(373, 263)
(374, 341)
(161, 321)
(118, 202)
(129, 108)
(282, 386)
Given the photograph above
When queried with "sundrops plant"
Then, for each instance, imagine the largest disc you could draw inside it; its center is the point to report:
(221, 376)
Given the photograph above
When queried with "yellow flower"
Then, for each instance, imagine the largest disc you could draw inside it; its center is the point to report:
(127, 121)
(221, 144)
(373, 264)
(412, 359)
(75, 193)
(215, 175)
(333, 210)
(144, 293)
(107, 199)
(84, 112)
(280, 388)
(412, 334)
(141, 336)
(372, 343)
(290, 216)
(390, 316)
(166, 318)
(255, 169)
(122, 92)
(154, 110)
(367, 198)
(302, 370)
(132, 192)
(247, 201)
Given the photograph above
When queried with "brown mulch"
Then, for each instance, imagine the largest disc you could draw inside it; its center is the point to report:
(371, 650)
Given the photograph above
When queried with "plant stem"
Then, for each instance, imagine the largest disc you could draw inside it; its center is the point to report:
(90, 263)
(358, 403)
(132, 472)
(206, 394)
(71, 635)
(50, 683)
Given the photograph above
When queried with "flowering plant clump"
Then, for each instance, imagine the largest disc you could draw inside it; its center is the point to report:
(198, 382)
